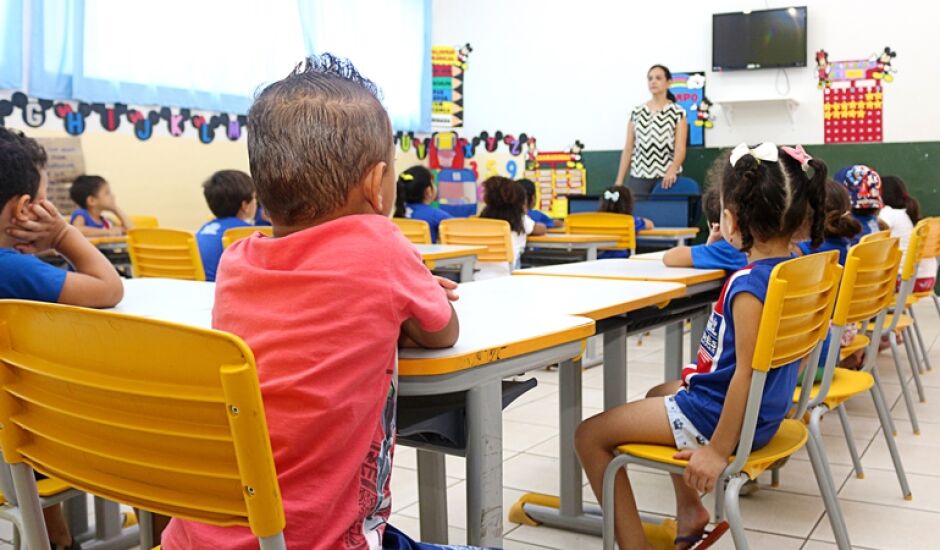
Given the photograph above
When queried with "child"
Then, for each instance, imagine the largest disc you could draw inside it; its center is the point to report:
(418, 183)
(506, 200)
(323, 306)
(93, 196)
(840, 226)
(230, 195)
(901, 213)
(537, 215)
(619, 200)
(30, 224)
(766, 197)
(716, 253)
(864, 187)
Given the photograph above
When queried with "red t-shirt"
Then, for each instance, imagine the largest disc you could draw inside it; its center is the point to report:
(322, 310)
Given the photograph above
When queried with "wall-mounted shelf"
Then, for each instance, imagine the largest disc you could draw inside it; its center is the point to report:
(728, 106)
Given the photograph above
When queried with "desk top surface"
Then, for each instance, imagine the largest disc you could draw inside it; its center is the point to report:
(447, 251)
(629, 270)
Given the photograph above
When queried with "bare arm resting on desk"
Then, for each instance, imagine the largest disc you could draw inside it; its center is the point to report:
(413, 336)
(680, 256)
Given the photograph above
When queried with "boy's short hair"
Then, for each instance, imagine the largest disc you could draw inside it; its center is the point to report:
(226, 190)
(84, 187)
(311, 137)
(711, 204)
(529, 187)
(19, 174)
(32, 147)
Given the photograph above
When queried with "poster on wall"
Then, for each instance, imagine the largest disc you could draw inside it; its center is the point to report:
(853, 96)
(448, 66)
(66, 162)
(689, 89)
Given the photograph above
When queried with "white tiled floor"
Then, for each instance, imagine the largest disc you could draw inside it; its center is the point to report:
(791, 516)
(788, 517)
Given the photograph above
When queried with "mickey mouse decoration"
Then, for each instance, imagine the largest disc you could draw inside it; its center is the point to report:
(823, 68)
(703, 115)
(463, 54)
(575, 151)
(883, 68)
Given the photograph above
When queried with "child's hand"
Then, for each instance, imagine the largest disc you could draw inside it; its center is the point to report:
(714, 233)
(449, 287)
(41, 230)
(705, 465)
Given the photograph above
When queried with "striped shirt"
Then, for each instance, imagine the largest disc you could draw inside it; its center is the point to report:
(654, 145)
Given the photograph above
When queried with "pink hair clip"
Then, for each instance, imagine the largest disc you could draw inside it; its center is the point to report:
(798, 154)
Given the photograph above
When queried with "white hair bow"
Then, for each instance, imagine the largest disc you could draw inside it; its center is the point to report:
(765, 151)
(612, 196)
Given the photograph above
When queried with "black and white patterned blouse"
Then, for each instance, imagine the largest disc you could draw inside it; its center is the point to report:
(654, 144)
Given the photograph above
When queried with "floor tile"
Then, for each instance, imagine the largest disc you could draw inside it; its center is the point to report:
(875, 526)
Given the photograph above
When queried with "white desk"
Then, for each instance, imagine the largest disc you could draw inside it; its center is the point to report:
(443, 255)
(654, 256)
(572, 241)
(677, 235)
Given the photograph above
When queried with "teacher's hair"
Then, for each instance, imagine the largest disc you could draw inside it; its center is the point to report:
(668, 74)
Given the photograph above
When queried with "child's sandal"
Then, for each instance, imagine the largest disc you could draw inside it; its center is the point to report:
(704, 539)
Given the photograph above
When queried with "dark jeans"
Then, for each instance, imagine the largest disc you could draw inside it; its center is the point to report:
(642, 187)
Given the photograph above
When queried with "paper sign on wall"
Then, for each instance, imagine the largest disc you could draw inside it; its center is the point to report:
(448, 65)
(689, 90)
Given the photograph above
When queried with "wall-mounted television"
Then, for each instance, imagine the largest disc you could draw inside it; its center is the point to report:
(765, 39)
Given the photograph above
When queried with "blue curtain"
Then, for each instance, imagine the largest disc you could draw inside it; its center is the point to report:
(52, 48)
(11, 44)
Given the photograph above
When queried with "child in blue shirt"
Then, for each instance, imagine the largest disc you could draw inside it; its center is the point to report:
(418, 184)
(93, 196)
(716, 253)
(840, 228)
(30, 224)
(230, 195)
(537, 215)
(767, 196)
(619, 200)
(864, 187)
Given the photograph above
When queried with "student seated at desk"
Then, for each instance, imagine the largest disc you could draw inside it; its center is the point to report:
(418, 184)
(29, 224)
(716, 253)
(767, 198)
(231, 198)
(537, 215)
(619, 200)
(261, 217)
(840, 226)
(323, 306)
(93, 196)
(506, 200)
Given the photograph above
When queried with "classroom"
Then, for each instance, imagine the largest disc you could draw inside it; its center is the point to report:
(580, 275)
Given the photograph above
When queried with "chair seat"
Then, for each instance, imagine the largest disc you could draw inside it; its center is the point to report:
(789, 439)
(859, 342)
(48, 487)
(904, 322)
(846, 384)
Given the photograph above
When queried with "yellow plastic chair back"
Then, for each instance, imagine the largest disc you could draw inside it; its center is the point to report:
(239, 233)
(604, 223)
(168, 253)
(924, 243)
(416, 231)
(145, 222)
(493, 234)
(876, 236)
(164, 417)
(868, 281)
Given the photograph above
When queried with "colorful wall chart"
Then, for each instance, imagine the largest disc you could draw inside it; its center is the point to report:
(448, 66)
(853, 96)
(689, 89)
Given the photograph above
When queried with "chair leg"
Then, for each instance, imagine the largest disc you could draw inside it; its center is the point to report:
(936, 302)
(607, 498)
(17, 543)
(850, 441)
(146, 529)
(733, 510)
(817, 457)
(885, 418)
(913, 359)
(34, 527)
(775, 477)
(920, 341)
(893, 340)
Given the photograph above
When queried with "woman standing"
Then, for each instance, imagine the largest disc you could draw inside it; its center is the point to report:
(656, 138)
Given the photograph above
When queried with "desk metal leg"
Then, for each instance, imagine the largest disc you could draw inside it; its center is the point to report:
(108, 532)
(673, 360)
(698, 327)
(569, 382)
(466, 270)
(485, 465)
(591, 253)
(615, 367)
(432, 496)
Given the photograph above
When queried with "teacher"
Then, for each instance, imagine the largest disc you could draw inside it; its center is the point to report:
(656, 138)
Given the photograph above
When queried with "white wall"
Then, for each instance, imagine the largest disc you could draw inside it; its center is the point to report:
(563, 69)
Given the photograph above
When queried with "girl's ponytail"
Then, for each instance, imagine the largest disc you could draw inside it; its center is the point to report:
(817, 201)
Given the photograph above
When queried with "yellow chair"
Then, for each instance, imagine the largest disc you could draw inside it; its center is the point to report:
(795, 319)
(876, 236)
(416, 231)
(168, 253)
(865, 292)
(145, 222)
(604, 223)
(493, 234)
(163, 417)
(239, 233)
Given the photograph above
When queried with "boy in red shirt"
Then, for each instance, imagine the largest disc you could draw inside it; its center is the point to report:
(323, 306)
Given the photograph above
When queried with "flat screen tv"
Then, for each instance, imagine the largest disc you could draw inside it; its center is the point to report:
(765, 39)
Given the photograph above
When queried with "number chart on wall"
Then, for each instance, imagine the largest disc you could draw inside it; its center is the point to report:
(853, 96)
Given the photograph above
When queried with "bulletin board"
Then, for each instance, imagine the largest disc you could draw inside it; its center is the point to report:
(66, 162)
(689, 90)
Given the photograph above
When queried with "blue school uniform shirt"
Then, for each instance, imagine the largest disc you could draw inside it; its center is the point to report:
(717, 255)
(706, 383)
(869, 225)
(541, 217)
(209, 238)
(26, 277)
(427, 213)
(259, 218)
(89, 221)
(838, 244)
